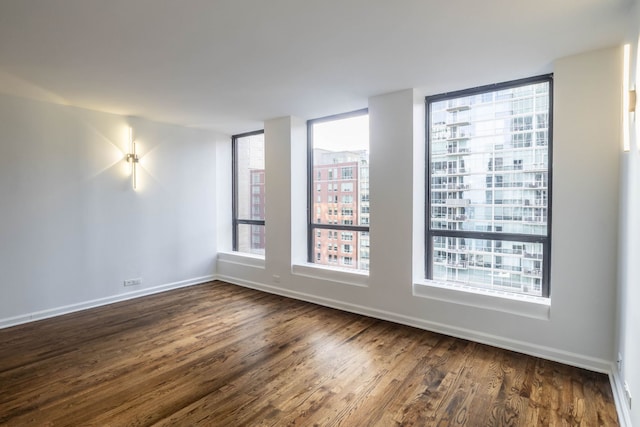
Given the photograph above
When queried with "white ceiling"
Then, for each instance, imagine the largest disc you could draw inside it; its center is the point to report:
(230, 64)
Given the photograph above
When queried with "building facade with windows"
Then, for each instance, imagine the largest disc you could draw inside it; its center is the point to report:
(249, 201)
(257, 210)
(489, 188)
(341, 197)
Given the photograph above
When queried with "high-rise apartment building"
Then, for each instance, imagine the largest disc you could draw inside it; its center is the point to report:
(489, 177)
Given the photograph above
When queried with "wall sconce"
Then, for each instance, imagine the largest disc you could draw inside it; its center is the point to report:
(132, 157)
(628, 99)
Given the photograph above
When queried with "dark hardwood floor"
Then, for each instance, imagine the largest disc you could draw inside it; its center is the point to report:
(222, 355)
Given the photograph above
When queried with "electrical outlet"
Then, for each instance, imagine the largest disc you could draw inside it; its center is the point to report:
(619, 362)
(276, 278)
(133, 282)
(627, 393)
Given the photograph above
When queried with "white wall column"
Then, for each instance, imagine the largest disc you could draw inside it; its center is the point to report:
(391, 189)
(285, 157)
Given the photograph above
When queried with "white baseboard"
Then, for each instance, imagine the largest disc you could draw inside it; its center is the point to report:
(58, 311)
(617, 385)
(556, 355)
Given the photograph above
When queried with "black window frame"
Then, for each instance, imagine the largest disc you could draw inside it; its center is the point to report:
(236, 222)
(312, 226)
(495, 236)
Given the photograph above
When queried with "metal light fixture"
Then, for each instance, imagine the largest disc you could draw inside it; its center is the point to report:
(132, 157)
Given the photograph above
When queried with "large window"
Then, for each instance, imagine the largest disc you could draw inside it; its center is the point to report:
(339, 190)
(489, 186)
(248, 192)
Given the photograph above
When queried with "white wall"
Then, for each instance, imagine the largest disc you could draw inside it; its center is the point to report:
(580, 326)
(628, 344)
(72, 228)
(585, 202)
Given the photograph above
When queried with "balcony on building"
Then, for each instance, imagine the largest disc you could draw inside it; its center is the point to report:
(453, 186)
(535, 184)
(537, 167)
(459, 265)
(535, 272)
(530, 255)
(456, 218)
(457, 202)
(534, 219)
(458, 105)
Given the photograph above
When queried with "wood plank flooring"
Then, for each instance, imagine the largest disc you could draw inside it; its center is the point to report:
(221, 355)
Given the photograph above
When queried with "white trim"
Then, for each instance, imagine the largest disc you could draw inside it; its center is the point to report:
(71, 308)
(241, 258)
(548, 353)
(332, 274)
(617, 386)
(519, 305)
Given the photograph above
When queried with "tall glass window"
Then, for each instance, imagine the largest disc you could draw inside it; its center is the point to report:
(339, 190)
(248, 192)
(489, 186)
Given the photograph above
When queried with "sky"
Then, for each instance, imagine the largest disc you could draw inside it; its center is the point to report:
(347, 134)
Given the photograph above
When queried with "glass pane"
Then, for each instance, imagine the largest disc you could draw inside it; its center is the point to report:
(251, 239)
(341, 171)
(340, 248)
(250, 176)
(489, 264)
(489, 161)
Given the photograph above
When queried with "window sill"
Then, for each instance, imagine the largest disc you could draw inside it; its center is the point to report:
(520, 305)
(333, 274)
(241, 258)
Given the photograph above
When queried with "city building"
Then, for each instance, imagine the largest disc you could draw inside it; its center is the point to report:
(489, 161)
(341, 197)
(250, 195)
(258, 205)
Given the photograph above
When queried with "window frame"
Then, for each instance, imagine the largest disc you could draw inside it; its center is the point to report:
(545, 240)
(236, 222)
(312, 226)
